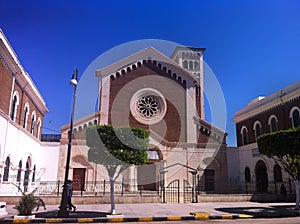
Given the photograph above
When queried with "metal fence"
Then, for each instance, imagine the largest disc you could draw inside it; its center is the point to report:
(237, 187)
(92, 188)
(101, 188)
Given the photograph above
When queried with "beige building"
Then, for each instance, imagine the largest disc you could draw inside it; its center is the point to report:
(165, 96)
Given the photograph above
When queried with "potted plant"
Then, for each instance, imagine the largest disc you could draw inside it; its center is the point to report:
(27, 203)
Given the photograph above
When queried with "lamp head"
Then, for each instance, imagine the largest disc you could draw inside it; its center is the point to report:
(74, 80)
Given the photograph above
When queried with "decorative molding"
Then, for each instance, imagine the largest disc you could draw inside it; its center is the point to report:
(277, 99)
(133, 61)
(14, 66)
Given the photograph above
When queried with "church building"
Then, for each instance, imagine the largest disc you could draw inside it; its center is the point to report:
(165, 96)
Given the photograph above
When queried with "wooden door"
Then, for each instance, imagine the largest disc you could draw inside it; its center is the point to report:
(78, 179)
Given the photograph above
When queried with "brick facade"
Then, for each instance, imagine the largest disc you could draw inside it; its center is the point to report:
(6, 80)
(281, 112)
(175, 114)
(13, 80)
(178, 132)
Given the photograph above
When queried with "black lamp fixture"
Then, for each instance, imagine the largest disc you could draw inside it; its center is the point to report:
(63, 208)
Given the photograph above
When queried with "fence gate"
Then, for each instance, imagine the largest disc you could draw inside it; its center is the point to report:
(171, 193)
(188, 192)
(176, 193)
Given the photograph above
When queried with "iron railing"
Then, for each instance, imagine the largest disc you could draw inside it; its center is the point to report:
(92, 188)
(237, 187)
(122, 187)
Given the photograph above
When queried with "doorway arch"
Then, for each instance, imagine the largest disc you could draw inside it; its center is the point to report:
(261, 177)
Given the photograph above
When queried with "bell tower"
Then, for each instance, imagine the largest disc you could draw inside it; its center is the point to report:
(191, 59)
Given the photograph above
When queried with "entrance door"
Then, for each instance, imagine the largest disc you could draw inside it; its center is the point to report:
(209, 180)
(78, 179)
(147, 177)
(261, 177)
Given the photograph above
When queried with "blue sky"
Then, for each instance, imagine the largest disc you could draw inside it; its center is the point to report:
(253, 47)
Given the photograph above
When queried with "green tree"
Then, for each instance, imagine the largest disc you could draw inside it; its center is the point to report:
(284, 147)
(116, 148)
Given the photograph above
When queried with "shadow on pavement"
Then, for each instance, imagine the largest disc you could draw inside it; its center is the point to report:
(263, 212)
(77, 214)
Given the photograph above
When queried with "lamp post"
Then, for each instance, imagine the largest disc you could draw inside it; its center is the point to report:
(194, 196)
(63, 208)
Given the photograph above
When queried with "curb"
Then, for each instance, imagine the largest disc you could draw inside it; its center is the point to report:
(193, 216)
(141, 219)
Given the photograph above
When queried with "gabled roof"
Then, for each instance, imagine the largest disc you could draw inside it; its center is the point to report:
(149, 53)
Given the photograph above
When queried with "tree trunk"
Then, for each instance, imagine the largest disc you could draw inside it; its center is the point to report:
(297, 185)
(112, 195)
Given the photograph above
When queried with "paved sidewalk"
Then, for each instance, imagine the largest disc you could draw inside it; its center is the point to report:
(165, 212)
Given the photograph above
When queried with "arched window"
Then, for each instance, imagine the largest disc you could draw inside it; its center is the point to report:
(6, 169)
(257, 129)
(33, 173)
(244, 133)
(277, 173)
(247, 175)
(191, 65)
(196, 65)
(185, 64)
(26, 112)
(19, 171)
(26, 175)
(39, 124)
(295, 116)
(32, 122)
(273, 123)
(15, 103)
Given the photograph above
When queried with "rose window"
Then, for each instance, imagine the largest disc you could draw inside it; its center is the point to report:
(148, 106)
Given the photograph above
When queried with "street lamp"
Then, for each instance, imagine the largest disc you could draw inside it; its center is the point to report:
(63, 208)
(193, 172)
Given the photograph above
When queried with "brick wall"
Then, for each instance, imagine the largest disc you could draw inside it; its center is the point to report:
(175, 127)
(6, 83)
(281, 112)
(6, 80)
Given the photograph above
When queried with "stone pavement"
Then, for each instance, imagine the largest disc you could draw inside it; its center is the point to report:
(164, 212)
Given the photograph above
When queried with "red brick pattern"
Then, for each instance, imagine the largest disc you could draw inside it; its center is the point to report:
(6, 84)
(175, 127)
(281, 112)
(6, 80)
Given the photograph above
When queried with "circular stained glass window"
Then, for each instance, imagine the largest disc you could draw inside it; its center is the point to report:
(148, 106)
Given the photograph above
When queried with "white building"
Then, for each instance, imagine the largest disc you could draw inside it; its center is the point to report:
(24, 159)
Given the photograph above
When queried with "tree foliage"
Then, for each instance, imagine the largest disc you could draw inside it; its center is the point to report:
(284, 147)
(117, 147)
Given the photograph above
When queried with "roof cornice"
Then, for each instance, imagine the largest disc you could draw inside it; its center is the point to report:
(21, 75)
(149, 53)
(276, 99)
